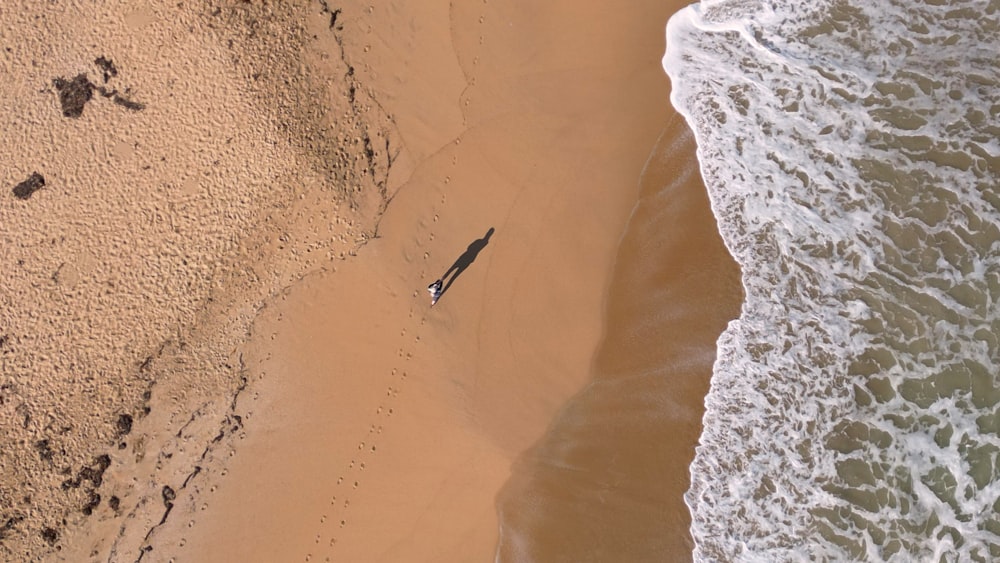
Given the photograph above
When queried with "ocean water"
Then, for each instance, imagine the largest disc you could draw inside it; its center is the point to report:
(851, 150)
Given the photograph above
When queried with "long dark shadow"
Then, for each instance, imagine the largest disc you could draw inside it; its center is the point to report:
(465, 260)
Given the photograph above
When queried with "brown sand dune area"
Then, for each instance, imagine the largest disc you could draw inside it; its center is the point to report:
(249, 252)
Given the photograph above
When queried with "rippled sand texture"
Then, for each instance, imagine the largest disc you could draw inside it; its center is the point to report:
(132, 276)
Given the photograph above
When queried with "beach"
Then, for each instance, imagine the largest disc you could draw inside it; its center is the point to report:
(223, 341)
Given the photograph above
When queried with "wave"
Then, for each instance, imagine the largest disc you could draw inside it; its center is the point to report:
(851, 156)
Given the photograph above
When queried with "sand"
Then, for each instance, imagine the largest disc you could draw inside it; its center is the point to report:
(248, 255)
(606, 481)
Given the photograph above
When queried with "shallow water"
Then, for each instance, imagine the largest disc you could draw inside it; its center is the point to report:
(851, 154)
(606, 481)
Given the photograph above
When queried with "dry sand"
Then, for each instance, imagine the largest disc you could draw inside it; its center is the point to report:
(239, 294)
(131, 278)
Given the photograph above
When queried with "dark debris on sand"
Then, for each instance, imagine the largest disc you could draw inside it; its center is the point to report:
(107, 67)
(93, 501)
(122, 100)
(9, 524)
(124, 424)
(34, 183)
(94, 473)
(50, 535)
(75, 93)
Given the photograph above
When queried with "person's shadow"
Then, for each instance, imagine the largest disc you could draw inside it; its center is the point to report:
(465, 260)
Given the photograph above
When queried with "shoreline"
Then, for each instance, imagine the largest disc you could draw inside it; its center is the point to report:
(418, 442)
(608, 479)
(345, 419)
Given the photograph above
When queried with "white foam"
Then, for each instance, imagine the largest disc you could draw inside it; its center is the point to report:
(839, 146)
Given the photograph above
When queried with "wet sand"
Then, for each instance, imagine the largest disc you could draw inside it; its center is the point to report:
(348, 420)
(606, 481)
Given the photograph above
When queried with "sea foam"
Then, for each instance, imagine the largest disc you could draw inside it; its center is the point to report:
(850, 152)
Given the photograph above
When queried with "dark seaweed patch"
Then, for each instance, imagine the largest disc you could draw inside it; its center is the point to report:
(74, 94)
(92, 503)
(94, 473)
(107, 68)
(124, 424)
(34, 183)
(50, 535)
(168, 494)
(127, 103)
(44, 449)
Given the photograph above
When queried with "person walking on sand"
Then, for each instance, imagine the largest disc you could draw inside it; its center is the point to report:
(439, 287)
(435, 291)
